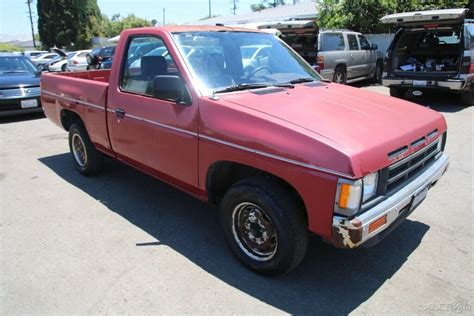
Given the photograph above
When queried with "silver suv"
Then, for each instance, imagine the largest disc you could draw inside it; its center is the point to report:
(432, 50)
(345, 56)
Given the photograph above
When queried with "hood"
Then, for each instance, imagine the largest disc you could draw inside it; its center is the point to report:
(422, 17)
(365, 126)
(10, 81)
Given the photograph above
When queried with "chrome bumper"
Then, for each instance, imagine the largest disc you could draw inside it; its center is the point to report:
(456, 85)
(351, 233)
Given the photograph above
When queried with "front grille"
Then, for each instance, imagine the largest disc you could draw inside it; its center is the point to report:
(19, 92)
(411, 166)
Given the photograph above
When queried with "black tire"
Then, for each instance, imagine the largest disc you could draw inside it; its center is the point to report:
(340, 75)
(467, 98)
(397, 92)
(281, 232)
(86, 158)
(64, 68)
(378, 72)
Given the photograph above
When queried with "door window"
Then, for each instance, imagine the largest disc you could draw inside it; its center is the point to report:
(140, 68)
(352, 40)
(364, 43)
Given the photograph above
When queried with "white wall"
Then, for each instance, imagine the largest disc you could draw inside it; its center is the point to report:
(382, 40)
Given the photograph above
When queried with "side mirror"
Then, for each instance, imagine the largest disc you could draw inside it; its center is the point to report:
(171, 88)
(374, 47)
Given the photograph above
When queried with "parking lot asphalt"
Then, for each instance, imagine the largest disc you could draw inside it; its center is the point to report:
(123, 242)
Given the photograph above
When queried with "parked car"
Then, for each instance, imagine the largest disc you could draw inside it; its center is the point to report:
(342, 56)
(282, 151)
(60, 63)
(101, 57)
(19, 85)
(33, 53)
(345, 57)
(44, 58)
(78, 62)
(432, 50)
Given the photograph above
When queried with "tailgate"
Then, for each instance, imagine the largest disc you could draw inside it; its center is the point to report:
(447, 16)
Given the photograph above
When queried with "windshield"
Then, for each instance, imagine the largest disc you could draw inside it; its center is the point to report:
(15, 64)
(222, 60)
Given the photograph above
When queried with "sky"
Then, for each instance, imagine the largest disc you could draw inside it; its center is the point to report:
(15, 24)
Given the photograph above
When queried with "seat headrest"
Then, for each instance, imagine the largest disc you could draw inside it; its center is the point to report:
(153, 66)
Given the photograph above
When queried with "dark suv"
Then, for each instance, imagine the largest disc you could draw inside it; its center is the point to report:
(432, 50)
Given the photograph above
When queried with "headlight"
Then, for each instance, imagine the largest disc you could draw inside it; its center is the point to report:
(348, 197)
(370, 185)
(351, 194)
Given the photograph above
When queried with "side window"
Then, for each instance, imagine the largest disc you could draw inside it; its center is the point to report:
(332, 41)
(469, 36)
(364, 43)
(352, 40)
(140, 69)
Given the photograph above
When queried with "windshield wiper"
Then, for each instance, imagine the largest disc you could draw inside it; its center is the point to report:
(242, 86)
(301, 80)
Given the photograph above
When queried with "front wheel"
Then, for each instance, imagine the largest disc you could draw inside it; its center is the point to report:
(87, 159)
(265, 226)
(378, 72)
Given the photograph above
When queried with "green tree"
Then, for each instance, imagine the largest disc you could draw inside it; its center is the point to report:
(364, 15)
(265, 4)
(68, 22)
(113, 26)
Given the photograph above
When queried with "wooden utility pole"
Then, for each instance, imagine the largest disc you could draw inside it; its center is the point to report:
(28, 2)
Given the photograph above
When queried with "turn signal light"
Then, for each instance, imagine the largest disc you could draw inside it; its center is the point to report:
(377, 223)
(344, 195)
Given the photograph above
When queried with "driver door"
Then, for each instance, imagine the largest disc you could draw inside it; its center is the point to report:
(156, 135)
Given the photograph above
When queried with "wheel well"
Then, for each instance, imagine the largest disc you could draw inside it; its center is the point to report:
(223, 174)
(68, 118)
(343, 66)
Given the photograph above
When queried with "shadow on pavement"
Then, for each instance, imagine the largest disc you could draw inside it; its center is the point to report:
(439, 101)
(329, 280)
(21, 117)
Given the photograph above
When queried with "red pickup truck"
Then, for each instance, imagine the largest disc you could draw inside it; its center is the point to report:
(281, 151)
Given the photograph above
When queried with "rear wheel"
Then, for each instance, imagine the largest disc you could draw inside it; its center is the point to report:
(64, 68)
(340, 75)
(397, 92)
(264, 225)
(467, 98)
(87, 159)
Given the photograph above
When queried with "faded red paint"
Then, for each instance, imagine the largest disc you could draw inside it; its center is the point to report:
(330, 126)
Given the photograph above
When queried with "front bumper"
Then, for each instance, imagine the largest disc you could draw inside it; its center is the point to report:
(12, 106)
(353, 232)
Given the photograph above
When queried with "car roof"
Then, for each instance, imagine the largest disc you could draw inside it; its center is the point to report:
(339, 31)
(196, 28)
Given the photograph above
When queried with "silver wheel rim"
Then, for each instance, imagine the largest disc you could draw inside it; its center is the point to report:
(339, 77)
(79, 150)
(254, 232)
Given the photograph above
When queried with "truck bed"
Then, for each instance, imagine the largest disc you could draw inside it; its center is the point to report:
(84, 93)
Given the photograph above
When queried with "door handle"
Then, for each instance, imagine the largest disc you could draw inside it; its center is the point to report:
(120, 113)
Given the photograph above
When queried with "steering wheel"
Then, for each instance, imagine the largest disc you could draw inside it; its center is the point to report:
(258, 69)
